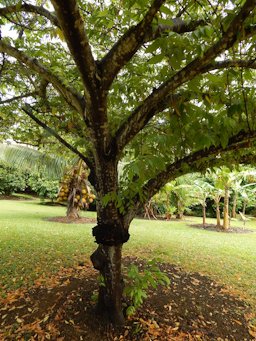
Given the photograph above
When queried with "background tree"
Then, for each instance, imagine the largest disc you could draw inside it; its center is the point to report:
(169, 83)
(200, 191)
(216, 194)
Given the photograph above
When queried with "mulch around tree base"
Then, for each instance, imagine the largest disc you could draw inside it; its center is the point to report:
(213, 227)
(193, 308)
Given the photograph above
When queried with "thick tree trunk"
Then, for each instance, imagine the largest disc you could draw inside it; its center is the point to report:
(110, 234)
(234, 206)
(107, 259)
(226, 209)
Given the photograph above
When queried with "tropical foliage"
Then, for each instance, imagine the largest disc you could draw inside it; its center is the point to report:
(169, 84)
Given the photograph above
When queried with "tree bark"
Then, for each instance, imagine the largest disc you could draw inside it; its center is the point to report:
(226, 209)
(110, 233)
(107, 259)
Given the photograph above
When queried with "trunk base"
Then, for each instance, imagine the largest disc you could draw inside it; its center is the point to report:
(107, 259)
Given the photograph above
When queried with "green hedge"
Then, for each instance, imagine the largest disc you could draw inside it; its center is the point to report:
(15, 180)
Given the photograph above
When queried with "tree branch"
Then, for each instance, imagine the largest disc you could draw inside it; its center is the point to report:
(179, 26)
(137, 122)
(15, 98)
(71, 97)
(29, 9)
(196, 162)
(72, 26)
(229, 64)
(127, 46)
(149, 107)
(28, 111)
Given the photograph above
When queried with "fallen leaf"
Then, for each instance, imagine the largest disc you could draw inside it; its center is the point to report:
(19, 320)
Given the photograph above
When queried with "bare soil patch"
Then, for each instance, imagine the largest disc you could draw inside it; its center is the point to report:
(193, 308)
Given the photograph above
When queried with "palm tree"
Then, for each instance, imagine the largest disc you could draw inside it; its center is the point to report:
(74, 185)
(201, 190)
(28, 158)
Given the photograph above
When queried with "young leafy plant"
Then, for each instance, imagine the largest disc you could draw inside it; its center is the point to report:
(138, 284)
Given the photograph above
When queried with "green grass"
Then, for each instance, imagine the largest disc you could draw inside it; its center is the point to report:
(31, 247)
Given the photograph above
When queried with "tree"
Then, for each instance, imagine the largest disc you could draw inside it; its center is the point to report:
(224, 179)
(201, 190)
(170, 84)
(74, 187)
(216, 194)
(180, 193)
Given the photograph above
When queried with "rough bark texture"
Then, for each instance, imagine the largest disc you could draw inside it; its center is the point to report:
(110, 233)
(107, 259)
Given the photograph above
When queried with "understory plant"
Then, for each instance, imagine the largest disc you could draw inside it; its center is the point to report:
(138, 283)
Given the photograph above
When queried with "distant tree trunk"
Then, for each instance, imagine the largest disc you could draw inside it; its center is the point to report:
(226, 209)
(179, 214)
(218, 213)
(204, 214)
(149, 210)
(234, 206)
(244, 206)
(72, 212)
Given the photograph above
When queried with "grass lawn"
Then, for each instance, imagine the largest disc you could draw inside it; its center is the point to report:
(31, 247)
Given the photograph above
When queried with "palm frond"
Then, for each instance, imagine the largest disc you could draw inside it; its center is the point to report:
(27, 158)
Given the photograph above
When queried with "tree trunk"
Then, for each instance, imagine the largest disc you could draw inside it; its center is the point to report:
(226, 209)
(244, 206)
(107, 259)
(72, 212)
(234, 206)
(179, 214)
(204, 214)
(110, 234)
(218, 213)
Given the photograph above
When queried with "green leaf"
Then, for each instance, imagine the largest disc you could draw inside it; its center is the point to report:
(156, 59)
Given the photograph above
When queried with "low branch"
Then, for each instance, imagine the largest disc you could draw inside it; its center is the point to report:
(199, 65)
(195, 162)
(30, 9)
(72, 26)
(52, 132)
(127, 46)
(9, 100)
(70, 95)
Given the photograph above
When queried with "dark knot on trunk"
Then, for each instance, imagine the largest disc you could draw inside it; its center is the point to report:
(110, 235)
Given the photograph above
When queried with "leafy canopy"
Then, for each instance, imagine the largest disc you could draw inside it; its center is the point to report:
(163, 86)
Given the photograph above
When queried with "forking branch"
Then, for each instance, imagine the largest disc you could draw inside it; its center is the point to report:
(149, 107)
